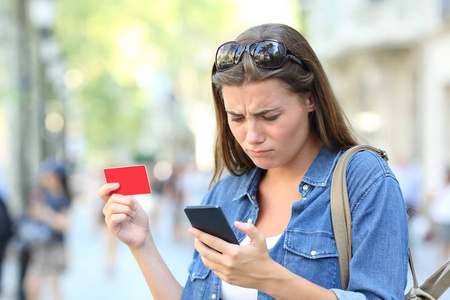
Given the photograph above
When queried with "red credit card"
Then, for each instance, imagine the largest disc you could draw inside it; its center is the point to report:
(133, 180)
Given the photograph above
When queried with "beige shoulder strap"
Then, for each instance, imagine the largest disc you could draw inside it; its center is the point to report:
(340, 210)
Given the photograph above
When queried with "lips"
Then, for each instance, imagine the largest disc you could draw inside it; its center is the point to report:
(258, 153)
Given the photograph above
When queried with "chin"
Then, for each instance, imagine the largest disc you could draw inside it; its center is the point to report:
(264, 163)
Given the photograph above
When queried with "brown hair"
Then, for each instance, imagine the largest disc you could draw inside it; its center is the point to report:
(328, 120)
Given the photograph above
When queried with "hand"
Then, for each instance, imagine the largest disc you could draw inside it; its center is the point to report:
(244, 266)
(125, 217)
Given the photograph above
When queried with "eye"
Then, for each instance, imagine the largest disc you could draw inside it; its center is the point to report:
(237, 119)
(271, 118)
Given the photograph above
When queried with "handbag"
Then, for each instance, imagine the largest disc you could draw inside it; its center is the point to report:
(31, 232)
(431, 289)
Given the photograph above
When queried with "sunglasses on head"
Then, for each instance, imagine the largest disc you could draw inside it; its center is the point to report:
(268, 54)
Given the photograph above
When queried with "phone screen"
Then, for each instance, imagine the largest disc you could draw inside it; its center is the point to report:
(211, 219)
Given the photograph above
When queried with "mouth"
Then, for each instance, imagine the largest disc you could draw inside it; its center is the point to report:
(258, 153)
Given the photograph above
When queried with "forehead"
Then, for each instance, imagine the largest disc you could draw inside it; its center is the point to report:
(267, 93)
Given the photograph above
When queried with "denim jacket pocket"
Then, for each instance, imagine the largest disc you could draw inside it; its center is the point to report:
(197, 270)
(313, 256)
(197, 282)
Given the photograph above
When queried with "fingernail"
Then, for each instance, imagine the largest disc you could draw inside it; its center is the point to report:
(115, 184)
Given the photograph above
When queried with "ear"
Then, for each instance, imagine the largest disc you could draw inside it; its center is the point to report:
(309, 102)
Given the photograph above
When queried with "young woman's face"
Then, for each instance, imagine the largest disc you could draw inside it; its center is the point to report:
(269, 122)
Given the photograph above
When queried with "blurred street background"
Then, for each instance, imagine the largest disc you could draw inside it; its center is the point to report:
(95, 84)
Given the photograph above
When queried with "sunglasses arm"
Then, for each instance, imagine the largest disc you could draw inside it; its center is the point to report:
(294, 58)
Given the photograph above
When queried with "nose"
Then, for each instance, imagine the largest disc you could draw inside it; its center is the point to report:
(254, 133)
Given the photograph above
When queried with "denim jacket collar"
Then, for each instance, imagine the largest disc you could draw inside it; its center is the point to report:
(249, 186)
(321, 169)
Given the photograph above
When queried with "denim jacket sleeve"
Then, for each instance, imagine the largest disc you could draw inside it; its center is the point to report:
(378, 268)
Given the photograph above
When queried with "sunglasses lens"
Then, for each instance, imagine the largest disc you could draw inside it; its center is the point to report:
(268, 54)
(228, 55)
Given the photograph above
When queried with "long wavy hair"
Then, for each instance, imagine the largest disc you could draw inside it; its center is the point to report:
(328, 120)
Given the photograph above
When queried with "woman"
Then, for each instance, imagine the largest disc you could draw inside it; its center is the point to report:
(48, 212)
(280, 134)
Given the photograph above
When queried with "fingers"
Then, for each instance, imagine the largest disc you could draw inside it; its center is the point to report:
(206, 252)
(106, 190)
(212, 259)
(210, 240)
(237, 265)
(118, 208)
(226, 264)
(213, 250)
(249, 229)
(118, 218)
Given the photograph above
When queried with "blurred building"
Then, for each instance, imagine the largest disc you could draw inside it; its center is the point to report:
(389, 63)
(33, 95)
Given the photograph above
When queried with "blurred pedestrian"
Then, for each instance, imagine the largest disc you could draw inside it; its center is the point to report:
(48, 219)
(440, 216)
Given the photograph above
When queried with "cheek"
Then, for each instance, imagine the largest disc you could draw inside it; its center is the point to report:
(239, 132)
(289, 132)
(286, 131)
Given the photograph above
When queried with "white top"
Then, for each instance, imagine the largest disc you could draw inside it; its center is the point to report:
(234, 292)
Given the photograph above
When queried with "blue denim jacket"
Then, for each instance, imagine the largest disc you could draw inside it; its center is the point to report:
(378, 269)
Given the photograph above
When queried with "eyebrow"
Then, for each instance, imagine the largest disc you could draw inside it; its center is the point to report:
(258, 114)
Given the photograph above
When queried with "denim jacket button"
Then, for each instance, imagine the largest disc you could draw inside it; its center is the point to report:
(313, 252)
(249, 220)
(213, 296)
(305, 187)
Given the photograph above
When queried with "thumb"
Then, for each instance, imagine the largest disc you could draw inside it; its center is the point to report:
(249, 229)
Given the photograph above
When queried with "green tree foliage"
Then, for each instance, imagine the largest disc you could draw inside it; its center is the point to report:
(108, 40)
